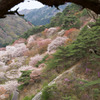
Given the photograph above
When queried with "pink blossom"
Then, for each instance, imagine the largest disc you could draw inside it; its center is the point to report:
(59, 41)
(34, 60)
(81, 82)
(87, 70)
(66, 79)
(99, 74)
(43, 42)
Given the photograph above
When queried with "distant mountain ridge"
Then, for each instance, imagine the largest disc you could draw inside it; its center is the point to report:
(11, 27)
(43, 15)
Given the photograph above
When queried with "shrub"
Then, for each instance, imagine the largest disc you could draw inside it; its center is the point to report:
(71, 22)
(48, 91)
(91, 83)
(25, 78)
(28, 97)
(33, 31)
(69, 31)
(68, 98)
(72, 33)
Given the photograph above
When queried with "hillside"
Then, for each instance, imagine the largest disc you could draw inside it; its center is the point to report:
(58, 61)
(41, 16)
(11, 27)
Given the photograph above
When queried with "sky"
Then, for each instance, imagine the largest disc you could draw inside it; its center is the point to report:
(28, 5)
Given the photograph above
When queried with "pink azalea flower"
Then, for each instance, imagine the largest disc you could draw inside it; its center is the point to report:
(99, 74)
(66, 79)
(81, 82)
(87, 70)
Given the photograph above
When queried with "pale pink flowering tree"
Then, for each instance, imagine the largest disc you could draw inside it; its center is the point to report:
(17, 50)
(43, 42)
(10, 86)
(59, 41)
(34, 60)
(30, 40)
(51, 31)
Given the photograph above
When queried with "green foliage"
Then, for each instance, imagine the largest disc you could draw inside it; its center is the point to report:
(28, 97)
(96, 93)
(69, 55)
(25, 77)
(84, 13)
(21, 87)
(33, 31)
(11, 96)
(68, 98)
(47, 92)
(91, 83)
(67, 17)
(71, 22)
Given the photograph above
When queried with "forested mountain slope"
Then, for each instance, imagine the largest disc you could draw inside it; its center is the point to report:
(11, 27)
(43, 15)
(57, 61)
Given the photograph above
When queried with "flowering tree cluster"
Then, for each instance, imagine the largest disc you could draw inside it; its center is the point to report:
(10, 86)
(34, 60)
(52, 31)
(17, 50)
(59, 41)
(43, 42)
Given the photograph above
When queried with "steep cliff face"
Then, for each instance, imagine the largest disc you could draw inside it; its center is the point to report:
(11, 27)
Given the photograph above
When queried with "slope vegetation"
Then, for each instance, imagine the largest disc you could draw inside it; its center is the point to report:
(54, 63)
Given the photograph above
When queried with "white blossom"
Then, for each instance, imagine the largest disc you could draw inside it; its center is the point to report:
(23, 68)
(13, 74)
(34, 60)
(2, 75)
(51, 31)
(61, 33)
(59, 41)
(10, 85)
(17, 50)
